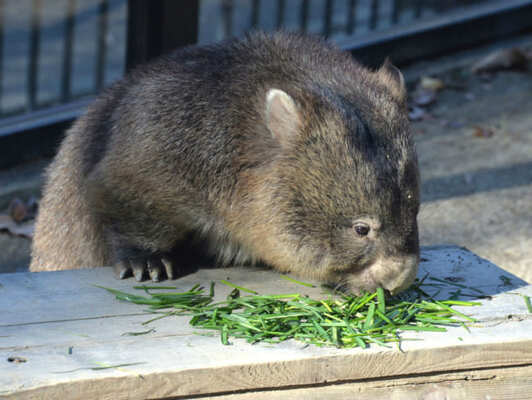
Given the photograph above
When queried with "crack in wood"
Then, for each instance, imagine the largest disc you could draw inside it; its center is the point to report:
(393, 382)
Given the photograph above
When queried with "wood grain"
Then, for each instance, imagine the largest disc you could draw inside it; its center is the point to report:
(507, 383)
(64, 326)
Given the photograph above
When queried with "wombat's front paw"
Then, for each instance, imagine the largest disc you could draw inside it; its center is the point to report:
(156, 267)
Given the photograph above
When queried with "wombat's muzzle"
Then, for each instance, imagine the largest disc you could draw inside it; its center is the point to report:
(395, 273)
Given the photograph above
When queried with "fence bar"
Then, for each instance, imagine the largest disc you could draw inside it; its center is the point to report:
(2, 11)
(303, 16)
(280, 13)
(227, 17)
(33, 69)
(66, 79)
(473, 26)
(418, 8)
(327, 24)
(103, 16)
(374, 14)
(158, 26)
(351, 17)
(396, 9)
(255, 5)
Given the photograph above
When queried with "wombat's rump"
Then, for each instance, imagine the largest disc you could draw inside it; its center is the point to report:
(275, 148)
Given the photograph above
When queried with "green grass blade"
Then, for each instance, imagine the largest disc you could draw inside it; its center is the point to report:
(287, 278)
(381, 301)
(243, 289)
(528, 305)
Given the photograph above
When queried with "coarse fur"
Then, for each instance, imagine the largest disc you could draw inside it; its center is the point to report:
(276, 148)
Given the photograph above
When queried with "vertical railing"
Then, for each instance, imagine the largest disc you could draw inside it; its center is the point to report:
(255, 5)
(351, 17)
(396, 10)
(2, 13)
(374, 14)
(328, 18)
(330, 26)
(66, 81)
(33, 69)
(227, 17)
(418, 8)
(303, 20)
(103, 10)
(30, 86)
(281, 5)
(155, 26)
(158, 26)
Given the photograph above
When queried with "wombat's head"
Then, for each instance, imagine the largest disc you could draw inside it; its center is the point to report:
(345, 185)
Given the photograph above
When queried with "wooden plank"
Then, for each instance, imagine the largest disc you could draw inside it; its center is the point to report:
(63, 326)
(507, 383)
(128, 382)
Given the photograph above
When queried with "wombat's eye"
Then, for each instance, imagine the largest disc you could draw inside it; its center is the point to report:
(362, 229)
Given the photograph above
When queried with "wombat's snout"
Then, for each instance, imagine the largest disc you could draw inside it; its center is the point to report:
(394, 274)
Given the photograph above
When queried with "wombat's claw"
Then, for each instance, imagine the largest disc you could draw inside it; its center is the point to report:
(155, 269)
(168, 266)
(122, 269)
(138, 266)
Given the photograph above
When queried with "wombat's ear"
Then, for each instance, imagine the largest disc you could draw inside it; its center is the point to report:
(393, 78)
(283, 117)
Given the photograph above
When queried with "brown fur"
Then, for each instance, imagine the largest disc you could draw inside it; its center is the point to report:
(273, 148)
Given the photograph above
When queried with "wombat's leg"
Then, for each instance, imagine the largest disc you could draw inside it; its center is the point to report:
(140, 238)
(173, 260)
(148, 255)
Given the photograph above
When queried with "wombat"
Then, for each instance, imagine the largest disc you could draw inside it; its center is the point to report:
(275, 148)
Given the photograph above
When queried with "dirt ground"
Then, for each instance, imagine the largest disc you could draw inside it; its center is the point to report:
(475, 152)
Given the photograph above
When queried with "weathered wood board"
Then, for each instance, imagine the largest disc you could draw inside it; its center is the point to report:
(63, 327)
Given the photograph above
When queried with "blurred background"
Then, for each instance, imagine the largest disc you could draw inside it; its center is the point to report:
(471, 120)
(55, 52)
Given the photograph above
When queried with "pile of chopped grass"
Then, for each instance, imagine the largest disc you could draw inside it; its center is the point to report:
(340, 320)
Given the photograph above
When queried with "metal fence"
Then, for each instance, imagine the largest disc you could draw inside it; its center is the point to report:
(56, 51)
(56, 54)
(329, 18)
(53, 52)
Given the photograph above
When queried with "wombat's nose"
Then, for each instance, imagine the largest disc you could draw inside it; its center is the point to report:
(400, 273)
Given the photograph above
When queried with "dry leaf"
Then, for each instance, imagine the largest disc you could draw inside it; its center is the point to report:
(482, 132)
(21, 211)
(24, 229)
(429, 83)
(17, 210)
(513, 58)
